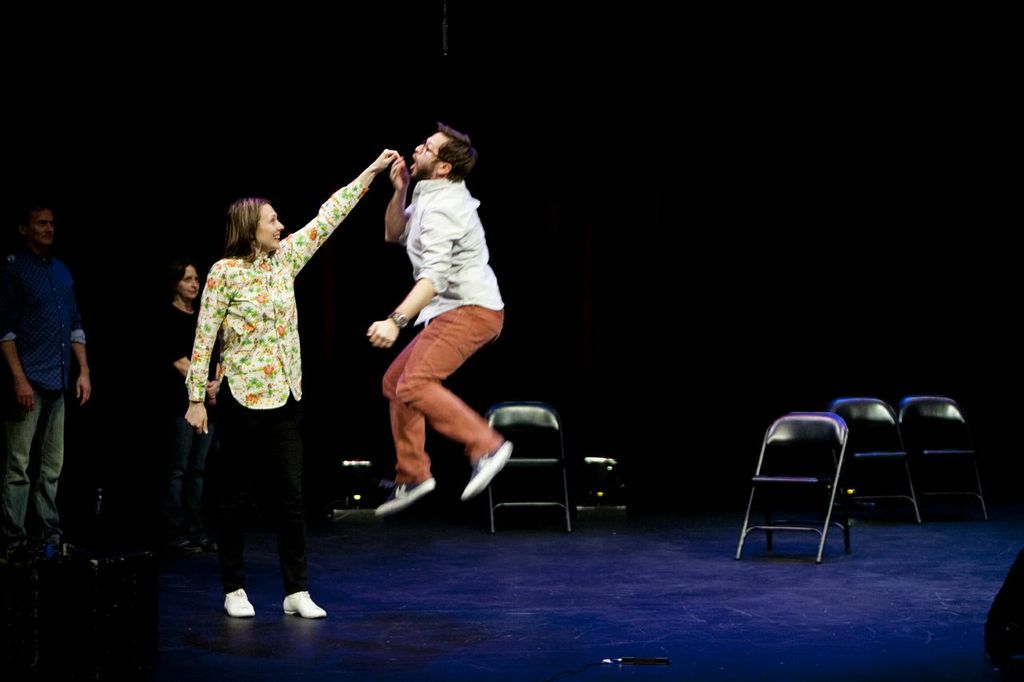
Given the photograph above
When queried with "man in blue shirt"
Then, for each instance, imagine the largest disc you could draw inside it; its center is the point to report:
(39, 330)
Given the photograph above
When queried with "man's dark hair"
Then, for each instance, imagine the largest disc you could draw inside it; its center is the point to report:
(457, 151)
(28, 208)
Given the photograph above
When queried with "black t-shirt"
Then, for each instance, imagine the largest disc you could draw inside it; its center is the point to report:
(177, 334)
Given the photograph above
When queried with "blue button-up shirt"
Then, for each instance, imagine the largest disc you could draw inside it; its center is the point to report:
(39, 313)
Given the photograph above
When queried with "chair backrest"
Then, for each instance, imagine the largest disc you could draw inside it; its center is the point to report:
(930, 407)
(824, 428)
(933, 422)
(534, 427)
(524, 414)
(872, 410)
(800, 441)
(872, 423)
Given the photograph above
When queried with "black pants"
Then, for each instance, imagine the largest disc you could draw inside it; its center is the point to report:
(261, 446)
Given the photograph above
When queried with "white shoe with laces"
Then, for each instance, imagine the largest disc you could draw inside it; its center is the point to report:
(486, 468)
(300, 603)
(237, 604)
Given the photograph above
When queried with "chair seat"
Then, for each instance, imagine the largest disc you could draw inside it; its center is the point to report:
(533, 462)
(881, 454)
(790, 480)
(947, 453)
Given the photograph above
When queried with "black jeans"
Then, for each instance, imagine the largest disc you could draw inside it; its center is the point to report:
(261, 446)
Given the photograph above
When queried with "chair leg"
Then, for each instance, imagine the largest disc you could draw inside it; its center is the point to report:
(828, 521)
(490, 506)
(846, 527)
(746, 522)
(565, 490)
(913, 495)
(981, 495)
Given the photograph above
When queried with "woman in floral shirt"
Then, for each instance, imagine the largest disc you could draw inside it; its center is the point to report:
(250, 300)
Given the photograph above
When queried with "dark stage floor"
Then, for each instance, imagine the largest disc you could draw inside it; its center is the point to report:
(419, 598)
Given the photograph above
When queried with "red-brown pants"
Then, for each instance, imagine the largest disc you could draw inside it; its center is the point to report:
(413, 387)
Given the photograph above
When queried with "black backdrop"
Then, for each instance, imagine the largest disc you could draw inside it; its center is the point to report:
(698, 221)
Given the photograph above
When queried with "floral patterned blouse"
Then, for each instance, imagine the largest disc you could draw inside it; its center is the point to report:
(254, 304)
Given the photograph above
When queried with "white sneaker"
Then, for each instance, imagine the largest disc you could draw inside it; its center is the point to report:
(404, 494)
(486, 468)
(237, 604)
(300, 603)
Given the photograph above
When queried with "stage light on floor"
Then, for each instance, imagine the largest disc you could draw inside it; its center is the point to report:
(352, 487)
(602, 481)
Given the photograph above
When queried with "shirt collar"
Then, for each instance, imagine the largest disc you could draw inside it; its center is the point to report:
(29, 253)
(436, 185)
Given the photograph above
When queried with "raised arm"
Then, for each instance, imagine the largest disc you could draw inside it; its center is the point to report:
(395, 217)
(299, 247)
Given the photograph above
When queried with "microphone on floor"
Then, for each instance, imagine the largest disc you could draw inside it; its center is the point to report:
(638, 660)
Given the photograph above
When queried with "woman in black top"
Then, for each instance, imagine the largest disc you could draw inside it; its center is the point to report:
(181, 517)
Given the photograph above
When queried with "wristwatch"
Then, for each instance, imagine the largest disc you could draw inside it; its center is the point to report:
(399, 319)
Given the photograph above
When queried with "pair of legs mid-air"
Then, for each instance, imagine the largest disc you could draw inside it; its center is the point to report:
(416, 396)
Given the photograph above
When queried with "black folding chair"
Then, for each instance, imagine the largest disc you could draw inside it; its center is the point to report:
(876, 461)
(798, 472)
(536, 430)
(936, 433)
